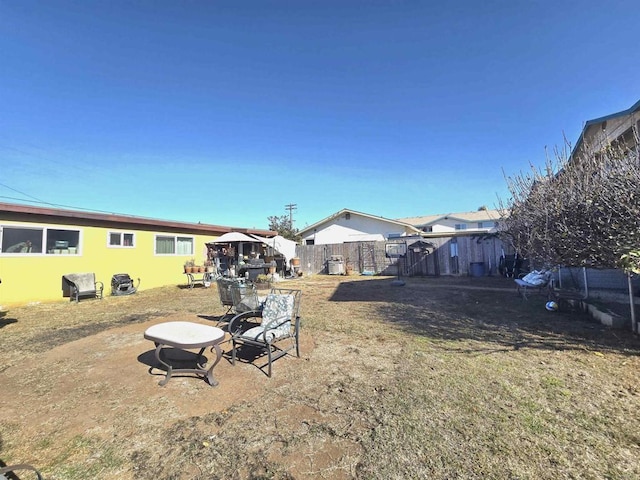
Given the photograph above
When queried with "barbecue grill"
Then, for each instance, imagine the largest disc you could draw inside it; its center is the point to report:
(122, 284)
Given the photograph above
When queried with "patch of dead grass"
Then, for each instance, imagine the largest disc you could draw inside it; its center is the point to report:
(442, 378)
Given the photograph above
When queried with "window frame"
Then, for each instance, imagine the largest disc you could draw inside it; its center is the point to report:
(122, 233)
(45, 233)
(488, 224)
(175, 245)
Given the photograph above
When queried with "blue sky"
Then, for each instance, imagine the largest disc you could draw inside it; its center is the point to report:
(224, 112)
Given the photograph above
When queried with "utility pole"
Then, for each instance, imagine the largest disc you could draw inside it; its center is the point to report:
(291, 207)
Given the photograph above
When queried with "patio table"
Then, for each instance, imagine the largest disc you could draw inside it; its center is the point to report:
(184, 336)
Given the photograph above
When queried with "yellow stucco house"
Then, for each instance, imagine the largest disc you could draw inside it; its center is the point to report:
(39, 245)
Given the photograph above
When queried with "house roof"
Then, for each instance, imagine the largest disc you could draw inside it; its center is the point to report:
(596, 121)
(634, 108)
(346, 210)
(475, 216)
(46, 214)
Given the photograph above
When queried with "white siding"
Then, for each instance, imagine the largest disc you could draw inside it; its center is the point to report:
(449, 225)
(356, 228)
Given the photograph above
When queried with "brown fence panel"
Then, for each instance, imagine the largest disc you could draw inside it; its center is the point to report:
(369, 257)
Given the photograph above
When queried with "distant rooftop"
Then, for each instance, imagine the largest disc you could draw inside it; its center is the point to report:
(475, 216)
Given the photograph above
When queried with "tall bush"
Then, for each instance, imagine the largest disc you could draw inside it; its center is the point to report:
(578, 211)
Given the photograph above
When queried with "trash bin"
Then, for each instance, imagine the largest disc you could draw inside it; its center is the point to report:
(477, 269)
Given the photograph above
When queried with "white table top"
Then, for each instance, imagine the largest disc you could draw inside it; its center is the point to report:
(184, 334)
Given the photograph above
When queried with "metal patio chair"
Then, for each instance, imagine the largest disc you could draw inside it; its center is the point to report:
(224, 292)
(81, 285)
(11, 469)
(274, 329)
(237, 295)
(245, 298)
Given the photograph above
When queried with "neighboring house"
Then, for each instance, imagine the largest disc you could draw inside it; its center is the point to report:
(463, 241)
(40, 245)
(351, 226)
(617, 128)
(450, 224)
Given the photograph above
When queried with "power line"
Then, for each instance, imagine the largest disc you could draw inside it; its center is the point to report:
(25, 194)
(58, 205)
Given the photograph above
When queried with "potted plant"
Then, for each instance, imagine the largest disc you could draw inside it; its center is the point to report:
(262, 281)
(208, 266)
(189, 265)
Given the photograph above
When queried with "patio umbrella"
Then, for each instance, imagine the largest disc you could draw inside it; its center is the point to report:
(234, 237)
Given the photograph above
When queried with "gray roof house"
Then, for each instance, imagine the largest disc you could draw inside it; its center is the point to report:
(452, 224)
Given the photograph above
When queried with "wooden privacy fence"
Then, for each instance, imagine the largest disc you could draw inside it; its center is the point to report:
(460, 255)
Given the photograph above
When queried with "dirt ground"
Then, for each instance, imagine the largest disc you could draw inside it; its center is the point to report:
(111, 371)
(81, 399)
(105, 384)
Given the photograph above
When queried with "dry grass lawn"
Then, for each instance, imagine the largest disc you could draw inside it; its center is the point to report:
(443, 378)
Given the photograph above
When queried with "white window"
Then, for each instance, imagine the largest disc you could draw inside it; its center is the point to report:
(427, 229)
(121, 239)
(174, 245)
(39, 240)
(487, 224)
(460, 226)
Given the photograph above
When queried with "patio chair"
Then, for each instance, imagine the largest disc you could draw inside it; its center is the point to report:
(81, 285)
(10, 469)
(274, 329)
(245, 298)
(232, 292)
(540, 281)
(224, 293)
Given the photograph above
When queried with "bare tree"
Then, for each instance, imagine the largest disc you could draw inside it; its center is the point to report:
(580, 210)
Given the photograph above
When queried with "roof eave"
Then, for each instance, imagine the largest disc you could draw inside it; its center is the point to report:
(124, 219)
(634, 108)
